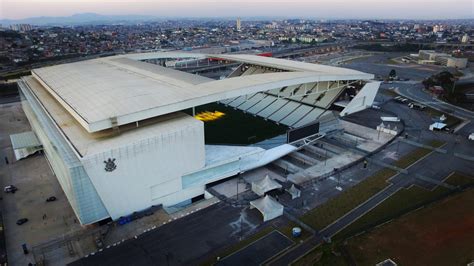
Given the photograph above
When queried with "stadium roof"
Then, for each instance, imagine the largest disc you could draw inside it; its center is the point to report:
(119, 90)
(88, 144)
(288, 64)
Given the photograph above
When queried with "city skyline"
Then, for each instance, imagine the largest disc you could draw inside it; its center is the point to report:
(401, 9)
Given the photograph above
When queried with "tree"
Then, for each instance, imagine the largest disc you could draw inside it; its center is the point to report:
(429, 82)
(392, 75)
(445, 79)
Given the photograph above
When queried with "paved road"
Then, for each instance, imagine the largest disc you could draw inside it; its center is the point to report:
(365, 207)
(340, 224)
(266, 247)
(343, 222)
(437, 166)
(182, 242)
(415, 92)
(380, 65)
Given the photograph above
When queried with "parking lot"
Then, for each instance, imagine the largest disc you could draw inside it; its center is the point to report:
(35, 182)
(52, 227)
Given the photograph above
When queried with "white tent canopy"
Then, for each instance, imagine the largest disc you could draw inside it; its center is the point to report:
(269, 207)
(437, 126)
(262, 186)
(294, 192)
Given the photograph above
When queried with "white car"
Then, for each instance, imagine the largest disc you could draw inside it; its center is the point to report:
(471, 136)
(10, 189)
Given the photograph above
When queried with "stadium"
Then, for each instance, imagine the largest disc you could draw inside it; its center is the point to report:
(127, 132)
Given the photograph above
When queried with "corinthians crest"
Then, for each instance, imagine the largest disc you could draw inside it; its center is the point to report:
(110, 165)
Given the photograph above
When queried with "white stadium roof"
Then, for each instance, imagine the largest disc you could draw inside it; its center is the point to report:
(119, 90)
(87, 144)
(288, 64)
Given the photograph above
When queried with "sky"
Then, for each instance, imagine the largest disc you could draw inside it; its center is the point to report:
(324, 9)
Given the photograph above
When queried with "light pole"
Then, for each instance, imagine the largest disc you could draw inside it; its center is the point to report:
(237, 189)
(326, 158)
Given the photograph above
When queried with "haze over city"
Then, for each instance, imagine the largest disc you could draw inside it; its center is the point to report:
(389, 9)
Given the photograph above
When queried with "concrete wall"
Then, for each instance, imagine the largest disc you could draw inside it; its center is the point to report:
(149, 172)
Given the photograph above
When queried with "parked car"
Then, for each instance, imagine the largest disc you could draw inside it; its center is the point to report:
(400, 99)
(418, 106)
(52, 198)
(22, 221)
(10, 189)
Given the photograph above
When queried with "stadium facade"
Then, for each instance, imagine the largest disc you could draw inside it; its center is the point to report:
(115, 134)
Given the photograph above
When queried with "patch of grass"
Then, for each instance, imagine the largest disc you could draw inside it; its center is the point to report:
(247, 241)
(400, 202)
(324, 215)
(334, 208)
(391, 93)
(416, 154)
(440, 234)
(458, 179)
(394, 61)
(326, 254)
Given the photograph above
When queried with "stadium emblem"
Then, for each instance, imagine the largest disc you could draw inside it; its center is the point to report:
(110, 165)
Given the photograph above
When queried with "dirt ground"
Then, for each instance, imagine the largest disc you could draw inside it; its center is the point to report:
(442, 234)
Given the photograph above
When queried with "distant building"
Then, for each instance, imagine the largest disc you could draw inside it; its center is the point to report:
(21, 27)
(438, 28)
(465, 38)
(433, 57)
(309, 39)
(456, 62)
(239, 24)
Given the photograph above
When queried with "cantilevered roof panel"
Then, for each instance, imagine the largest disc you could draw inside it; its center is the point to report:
(105, 92)
(159, 72)
(88, 144)
(98, 90)
(288, 64)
